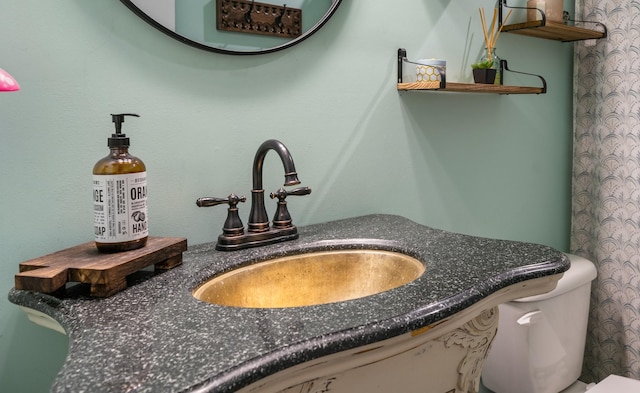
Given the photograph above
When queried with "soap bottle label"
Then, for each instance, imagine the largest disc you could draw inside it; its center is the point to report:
(120, 207)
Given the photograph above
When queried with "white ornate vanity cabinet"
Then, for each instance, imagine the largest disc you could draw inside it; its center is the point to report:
(445, 357)
(436, 359)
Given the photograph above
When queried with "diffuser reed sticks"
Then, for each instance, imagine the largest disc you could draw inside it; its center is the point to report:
(492, 33)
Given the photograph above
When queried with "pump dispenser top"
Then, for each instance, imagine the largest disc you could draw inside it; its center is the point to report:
(119, 139)
(120, 195)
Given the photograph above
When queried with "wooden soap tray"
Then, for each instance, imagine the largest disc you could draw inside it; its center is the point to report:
(107, 273)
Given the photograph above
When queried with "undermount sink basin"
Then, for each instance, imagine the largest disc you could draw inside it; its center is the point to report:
(311, 279)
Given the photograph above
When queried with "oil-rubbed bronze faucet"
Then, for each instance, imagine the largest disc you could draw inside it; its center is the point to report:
(258, 221)
(259, 231)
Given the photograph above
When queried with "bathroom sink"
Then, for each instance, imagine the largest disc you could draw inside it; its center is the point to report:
(311, 279)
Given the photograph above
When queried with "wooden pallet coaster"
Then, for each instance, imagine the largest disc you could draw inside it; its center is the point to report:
(107, 273)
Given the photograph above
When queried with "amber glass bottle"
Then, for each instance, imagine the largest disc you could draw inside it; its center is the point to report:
(120, 196)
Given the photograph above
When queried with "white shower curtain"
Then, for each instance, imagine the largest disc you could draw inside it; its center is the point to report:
(606, 184)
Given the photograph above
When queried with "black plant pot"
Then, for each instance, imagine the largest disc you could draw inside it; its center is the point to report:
(484, 75)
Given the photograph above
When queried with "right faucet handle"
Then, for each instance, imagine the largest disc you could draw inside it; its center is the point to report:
(282, 218)
(281, 194)
(233, 224)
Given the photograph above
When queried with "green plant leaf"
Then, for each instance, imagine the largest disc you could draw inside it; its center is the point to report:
(482, 65)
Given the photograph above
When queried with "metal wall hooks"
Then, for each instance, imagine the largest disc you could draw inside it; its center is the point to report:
(279, 18)
(247, 15)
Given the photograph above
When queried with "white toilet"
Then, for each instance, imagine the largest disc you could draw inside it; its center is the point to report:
(540, 342)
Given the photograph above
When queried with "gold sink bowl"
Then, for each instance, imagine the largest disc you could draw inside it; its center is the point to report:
(311, 279)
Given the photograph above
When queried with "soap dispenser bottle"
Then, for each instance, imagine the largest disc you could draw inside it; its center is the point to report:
(120, 195)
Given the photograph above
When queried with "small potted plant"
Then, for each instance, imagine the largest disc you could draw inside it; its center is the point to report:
(483, 72)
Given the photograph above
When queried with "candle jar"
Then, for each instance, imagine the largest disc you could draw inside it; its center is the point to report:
(552, 10)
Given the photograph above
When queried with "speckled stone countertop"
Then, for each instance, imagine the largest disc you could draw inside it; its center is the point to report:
(156, 337)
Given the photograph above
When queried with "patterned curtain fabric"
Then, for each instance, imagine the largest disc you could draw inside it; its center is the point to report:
(606, 184)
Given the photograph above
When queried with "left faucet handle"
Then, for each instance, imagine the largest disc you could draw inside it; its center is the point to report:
(232, 200)
(233, 224)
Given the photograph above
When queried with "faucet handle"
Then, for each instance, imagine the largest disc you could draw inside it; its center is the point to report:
(232, 200)
(233, 224)
(281, 194)
(282, 218)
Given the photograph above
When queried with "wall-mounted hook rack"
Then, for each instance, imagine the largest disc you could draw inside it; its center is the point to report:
(249, 16)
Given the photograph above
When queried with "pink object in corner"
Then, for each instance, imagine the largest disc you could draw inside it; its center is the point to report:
(7, 83)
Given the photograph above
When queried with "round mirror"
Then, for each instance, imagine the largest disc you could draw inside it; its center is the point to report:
(240, 27)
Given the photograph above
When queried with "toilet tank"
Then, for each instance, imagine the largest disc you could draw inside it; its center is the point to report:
(540, 341)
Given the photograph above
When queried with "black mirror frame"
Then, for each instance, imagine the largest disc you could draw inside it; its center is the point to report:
(198, 45)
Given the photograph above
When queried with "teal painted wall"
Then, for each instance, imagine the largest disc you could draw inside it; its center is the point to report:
(496, 166)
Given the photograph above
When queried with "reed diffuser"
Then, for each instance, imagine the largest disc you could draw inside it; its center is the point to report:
(491, 34)
(487, 70)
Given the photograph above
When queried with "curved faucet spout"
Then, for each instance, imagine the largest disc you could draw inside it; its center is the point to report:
(258, 220)
(290, 175)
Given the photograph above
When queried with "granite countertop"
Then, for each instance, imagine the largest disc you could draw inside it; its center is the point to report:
(155, 336)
